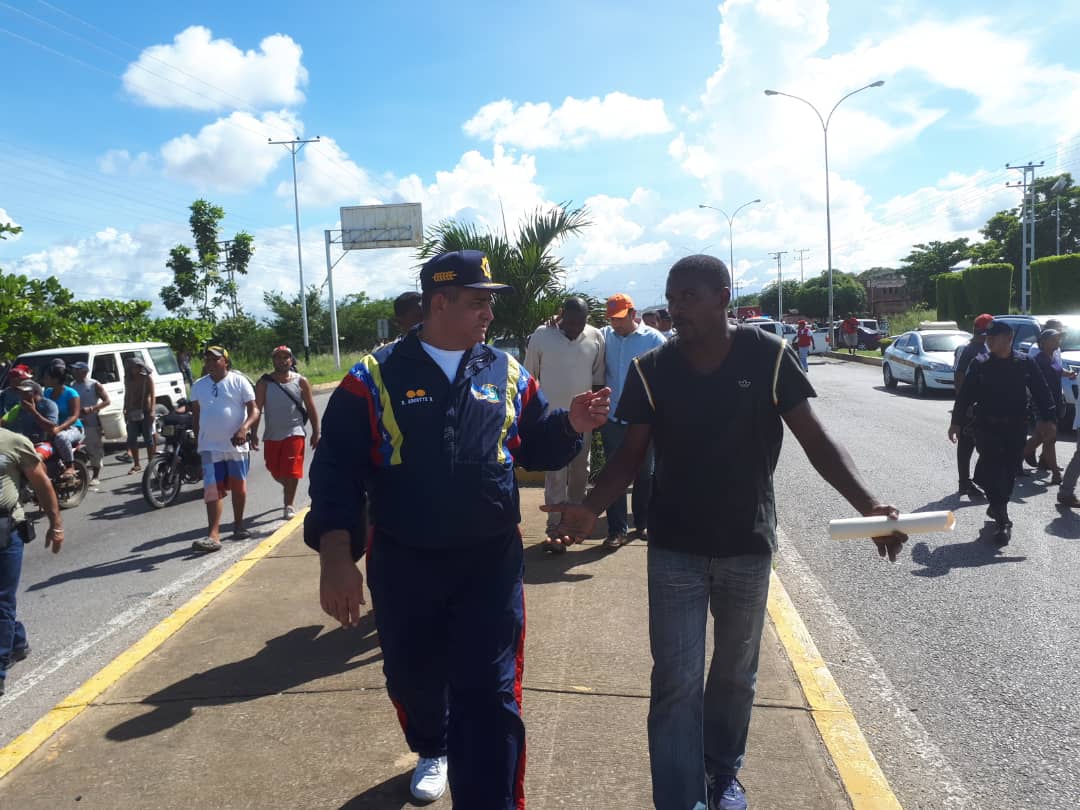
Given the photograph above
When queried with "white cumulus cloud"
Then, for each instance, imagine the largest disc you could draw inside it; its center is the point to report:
(231, 154)
(616, 116)
(121, 161)
(199, 72)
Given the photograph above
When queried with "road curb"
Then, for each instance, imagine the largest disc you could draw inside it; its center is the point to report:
(860, 774)
(82, 698)
(855, 358)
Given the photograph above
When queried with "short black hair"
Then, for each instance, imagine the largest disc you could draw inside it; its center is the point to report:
(406, 301)
(576, 304)
(711, 269)
(451, 294)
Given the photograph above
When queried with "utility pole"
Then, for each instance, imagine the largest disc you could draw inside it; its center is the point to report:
(1027, 225)
(802, 268)
(1056, 190)
(779, 285)
(226, 248)
(294, 146)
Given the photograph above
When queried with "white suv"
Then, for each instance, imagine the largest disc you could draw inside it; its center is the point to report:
(106, 363)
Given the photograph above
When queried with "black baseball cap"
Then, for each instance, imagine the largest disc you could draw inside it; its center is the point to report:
(460, 268)
(999, 328)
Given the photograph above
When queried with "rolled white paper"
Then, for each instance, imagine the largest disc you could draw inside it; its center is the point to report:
(877, 526)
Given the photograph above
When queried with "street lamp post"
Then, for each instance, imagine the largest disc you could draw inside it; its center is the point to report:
(731, 244)
(828, 213)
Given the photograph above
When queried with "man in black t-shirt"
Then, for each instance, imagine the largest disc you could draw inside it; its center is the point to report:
(716, 392)
(965, 439)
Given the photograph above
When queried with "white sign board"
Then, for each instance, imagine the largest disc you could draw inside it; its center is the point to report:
(382, 328)
(364, 227)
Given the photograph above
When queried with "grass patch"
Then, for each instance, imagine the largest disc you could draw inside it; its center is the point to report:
(320, 369)
(907, 321)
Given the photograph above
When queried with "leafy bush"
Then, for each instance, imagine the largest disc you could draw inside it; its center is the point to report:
(951, 300)
(1055, 284)
(986, 289)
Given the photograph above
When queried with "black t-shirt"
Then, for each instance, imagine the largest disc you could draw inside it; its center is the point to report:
(717, 439)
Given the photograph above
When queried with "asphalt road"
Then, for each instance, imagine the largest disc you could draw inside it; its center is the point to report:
(961, 660)
(124, 567)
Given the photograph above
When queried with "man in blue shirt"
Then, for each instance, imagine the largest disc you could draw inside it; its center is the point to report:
(430, 428)
(37, 416)
(625, 339)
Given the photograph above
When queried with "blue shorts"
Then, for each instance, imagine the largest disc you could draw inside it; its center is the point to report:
(224, 473)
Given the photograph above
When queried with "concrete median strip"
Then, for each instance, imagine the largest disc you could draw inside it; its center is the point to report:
(866, 785)
(82, 698)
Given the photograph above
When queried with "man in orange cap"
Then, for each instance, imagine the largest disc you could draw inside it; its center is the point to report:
(625, 340)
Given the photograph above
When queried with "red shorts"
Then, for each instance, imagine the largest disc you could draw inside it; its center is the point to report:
(285, 459)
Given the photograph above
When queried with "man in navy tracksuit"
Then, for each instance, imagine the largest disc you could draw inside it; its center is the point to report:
(430, 428)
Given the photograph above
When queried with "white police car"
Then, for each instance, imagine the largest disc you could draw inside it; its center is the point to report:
(923, 358)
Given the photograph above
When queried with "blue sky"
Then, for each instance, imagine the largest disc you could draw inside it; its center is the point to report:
(116, 118)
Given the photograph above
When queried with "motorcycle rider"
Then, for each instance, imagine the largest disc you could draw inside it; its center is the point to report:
(11, 396)
(69, 428)
(34, 417)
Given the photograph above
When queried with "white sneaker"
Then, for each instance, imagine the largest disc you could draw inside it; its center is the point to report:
(429, 779)
(289, 512)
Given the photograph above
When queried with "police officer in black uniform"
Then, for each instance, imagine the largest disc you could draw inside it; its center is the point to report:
(997, 383)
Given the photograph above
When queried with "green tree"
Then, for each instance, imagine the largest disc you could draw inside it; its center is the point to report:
(205, 281)
(181, 333)
(929, 260)
(770, 302)
(286, 320)
(358, 321)
(1002, 232)
(528, 264)
(9, 229)
(812, 298)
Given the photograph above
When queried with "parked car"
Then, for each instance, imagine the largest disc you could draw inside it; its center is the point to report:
(924, 359)
(869, 333)
(106, 363)
(781, 330)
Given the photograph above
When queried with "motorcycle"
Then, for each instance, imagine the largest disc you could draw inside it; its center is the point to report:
(177, 464)
(71, 490)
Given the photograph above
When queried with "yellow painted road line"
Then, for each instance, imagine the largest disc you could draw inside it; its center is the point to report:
(859, 771)
(82, 698)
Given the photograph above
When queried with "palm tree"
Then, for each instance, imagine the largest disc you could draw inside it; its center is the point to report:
(529, 265)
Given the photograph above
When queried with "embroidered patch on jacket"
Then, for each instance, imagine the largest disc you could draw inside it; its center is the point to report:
(486, 393)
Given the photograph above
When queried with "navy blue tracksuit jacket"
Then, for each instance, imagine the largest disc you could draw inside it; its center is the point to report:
(436, 461)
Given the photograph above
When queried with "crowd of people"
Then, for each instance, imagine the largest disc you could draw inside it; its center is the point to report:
(997, 389)
(227, 410)
(440, 412)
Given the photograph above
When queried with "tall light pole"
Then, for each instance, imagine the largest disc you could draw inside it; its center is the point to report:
(294, 146)
(828, 213)
(731, 245)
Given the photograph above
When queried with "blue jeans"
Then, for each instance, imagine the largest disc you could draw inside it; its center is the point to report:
(804, 353)
(612, 435)
(12, 633)
(698, 727)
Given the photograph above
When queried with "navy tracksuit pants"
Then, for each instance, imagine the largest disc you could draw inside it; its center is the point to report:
(452, 630)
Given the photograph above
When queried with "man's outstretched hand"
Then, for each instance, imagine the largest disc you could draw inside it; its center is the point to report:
(589, 411)
(576, 524)
(891, 544)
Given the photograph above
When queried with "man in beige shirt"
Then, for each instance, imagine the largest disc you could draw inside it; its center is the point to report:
(566, 359)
